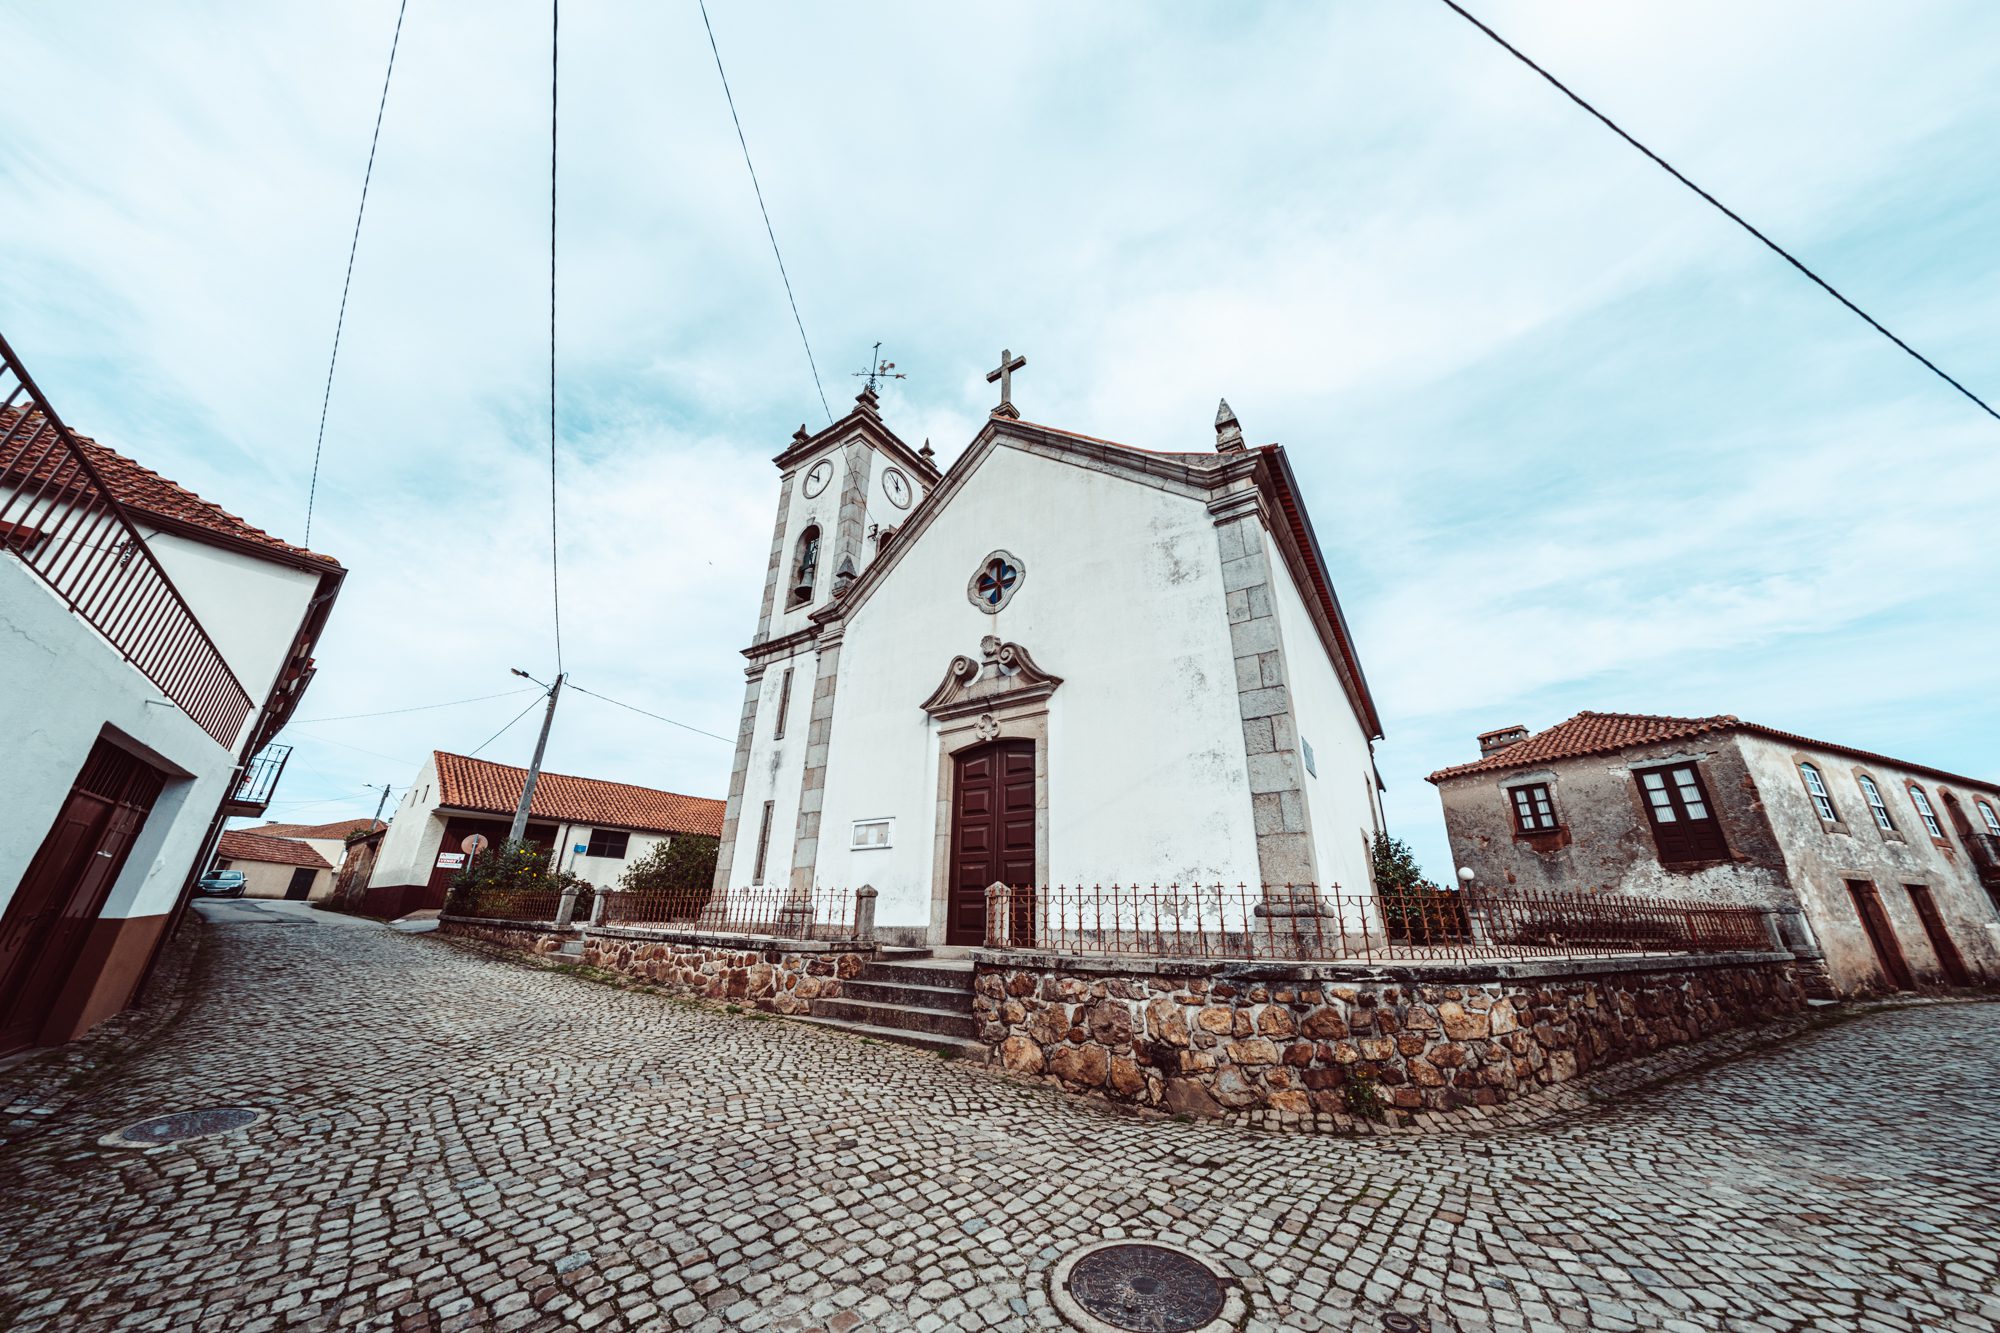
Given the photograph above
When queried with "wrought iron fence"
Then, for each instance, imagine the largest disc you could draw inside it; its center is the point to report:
(513, 904)
(60, 519)
(818, 913)
(1306, 922)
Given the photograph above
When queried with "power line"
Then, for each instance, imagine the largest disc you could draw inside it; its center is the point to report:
(662, 717)
(1724, 209)
(414, 708)
(504, 730)
(555, 572)
(768, 229)
(312, 491)
(322, 740)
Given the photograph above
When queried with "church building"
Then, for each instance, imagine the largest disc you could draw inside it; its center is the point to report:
(1063, 660)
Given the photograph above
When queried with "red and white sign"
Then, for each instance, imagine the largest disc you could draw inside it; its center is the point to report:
(451, 860)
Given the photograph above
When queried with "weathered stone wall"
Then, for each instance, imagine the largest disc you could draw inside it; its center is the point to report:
(534, 937)
(781, 980)
(716, 967)
(1311, 1047)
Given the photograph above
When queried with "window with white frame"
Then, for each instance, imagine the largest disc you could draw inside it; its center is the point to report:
(1875, 804)
(1924, 811)
(1816, 788)
(1534, 812)
(872, 833)
(1992, 820)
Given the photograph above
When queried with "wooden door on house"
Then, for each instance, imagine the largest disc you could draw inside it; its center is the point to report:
(1685, 827)
(992, 832)
(302, 883)
(49, 918)
(1949, 959)
(1881, 934)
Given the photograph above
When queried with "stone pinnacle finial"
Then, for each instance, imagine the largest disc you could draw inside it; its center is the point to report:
(1228, 431)
(868, 401)
(927, 452)
(801, 435)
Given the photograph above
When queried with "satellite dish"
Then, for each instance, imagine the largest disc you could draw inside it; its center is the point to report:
(473, 844)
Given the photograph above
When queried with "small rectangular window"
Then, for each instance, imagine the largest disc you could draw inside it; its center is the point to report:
(608, 842)
(1534, 812)
(1875, 804)
(763, 844)
(1924, 811)
(784, 703)
(872, 833)
(1817, 790)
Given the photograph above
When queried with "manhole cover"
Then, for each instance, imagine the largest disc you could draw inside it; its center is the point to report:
(184, 1125)
(1145, 1287)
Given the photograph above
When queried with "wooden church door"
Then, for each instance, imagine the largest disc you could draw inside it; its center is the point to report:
(992, 831)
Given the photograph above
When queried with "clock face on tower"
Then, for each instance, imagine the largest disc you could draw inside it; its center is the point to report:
(821, 474)
(897, 486)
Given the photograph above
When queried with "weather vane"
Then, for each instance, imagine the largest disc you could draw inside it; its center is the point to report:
(884, 370)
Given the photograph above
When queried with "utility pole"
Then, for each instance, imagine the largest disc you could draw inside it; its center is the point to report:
(379, 804)
(520, 824)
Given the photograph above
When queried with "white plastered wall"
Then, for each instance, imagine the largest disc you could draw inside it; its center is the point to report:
(777, 765)
(1123, 598)
(61, 687)
(410, 847)
(1338, 796)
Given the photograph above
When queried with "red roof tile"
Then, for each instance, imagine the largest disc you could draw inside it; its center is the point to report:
(341, 829)
(244, 845)
(1605, 733)
(476, 784)
(146, 491)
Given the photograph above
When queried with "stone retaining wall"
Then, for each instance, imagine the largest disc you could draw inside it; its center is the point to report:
(535, 937)
(1314, 1047)
(782, 976)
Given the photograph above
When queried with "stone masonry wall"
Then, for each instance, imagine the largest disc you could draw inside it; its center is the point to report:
(779, 980)
(784, 981)
(1310, 1048)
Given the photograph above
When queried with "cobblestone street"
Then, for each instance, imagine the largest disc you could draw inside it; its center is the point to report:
(460, 1143)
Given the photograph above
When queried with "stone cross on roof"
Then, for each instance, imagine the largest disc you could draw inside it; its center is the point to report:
(1009, 363)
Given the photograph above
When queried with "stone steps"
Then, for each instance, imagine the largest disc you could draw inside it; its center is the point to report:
(908, 997)
(913, 1018)
(929, 1041)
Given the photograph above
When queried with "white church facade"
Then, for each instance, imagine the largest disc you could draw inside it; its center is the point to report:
(1064, 660)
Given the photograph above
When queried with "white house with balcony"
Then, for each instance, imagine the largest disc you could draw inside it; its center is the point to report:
(150, 645)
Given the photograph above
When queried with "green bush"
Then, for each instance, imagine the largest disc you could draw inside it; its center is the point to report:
(1413, 908)
(684, 864)
(515, 880)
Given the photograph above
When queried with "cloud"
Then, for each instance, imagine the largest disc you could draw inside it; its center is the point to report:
(1571, 440)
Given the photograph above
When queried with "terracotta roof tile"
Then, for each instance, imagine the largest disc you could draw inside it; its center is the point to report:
(341, 829)
(244, 845)
(476, 784)
(146, 491)
(1606, 733)
(1588, 733)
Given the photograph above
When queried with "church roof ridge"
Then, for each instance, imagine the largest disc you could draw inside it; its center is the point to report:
(862, 417)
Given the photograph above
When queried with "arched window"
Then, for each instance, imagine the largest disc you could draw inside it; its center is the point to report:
(805, 569)
(1816, 788)
(1992, 820)
(1924, 811)
(1876, 806)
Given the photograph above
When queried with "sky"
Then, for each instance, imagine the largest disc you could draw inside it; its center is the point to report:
(1570, 439)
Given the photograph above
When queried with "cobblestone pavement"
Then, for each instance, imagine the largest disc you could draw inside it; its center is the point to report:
(460, 1143)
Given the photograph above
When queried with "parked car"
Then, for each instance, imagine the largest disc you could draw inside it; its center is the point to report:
(221, 884)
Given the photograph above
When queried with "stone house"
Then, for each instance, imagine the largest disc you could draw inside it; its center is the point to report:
(1885, 871)
(1060, 660)
(596, 827)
